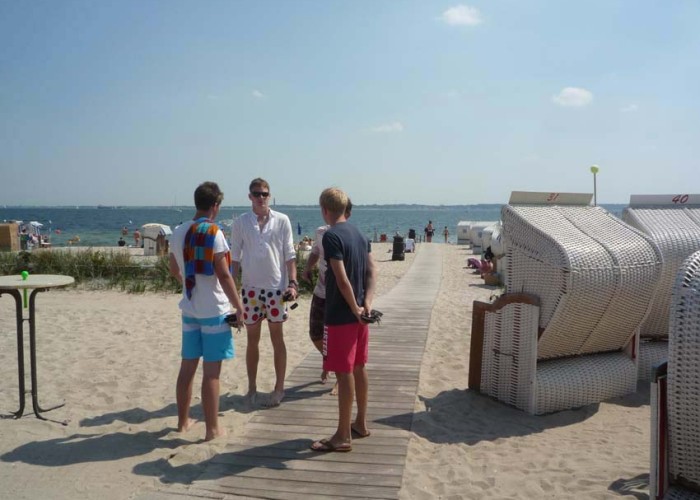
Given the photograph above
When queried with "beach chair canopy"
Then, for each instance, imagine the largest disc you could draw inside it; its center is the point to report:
(153, 229)
(594, 274)
(592, 277)
(675, 229)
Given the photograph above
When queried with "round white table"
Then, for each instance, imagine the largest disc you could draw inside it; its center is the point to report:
(36, 283)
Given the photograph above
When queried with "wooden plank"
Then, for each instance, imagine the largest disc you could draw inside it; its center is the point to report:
(266, 488)
(330, 414)
(289, 441)
(301, 464)
(301, 429)
(231, 472)
(277, 453)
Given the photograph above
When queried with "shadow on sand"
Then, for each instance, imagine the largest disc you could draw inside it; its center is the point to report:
(228, 463)
(481, 418)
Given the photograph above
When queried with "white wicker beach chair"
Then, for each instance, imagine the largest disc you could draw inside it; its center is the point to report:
(675, 229)
(675, 402)
(592, 278)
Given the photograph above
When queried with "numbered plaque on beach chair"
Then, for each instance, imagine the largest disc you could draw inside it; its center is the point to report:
(673, 223)
(593, 277)
(675, 395)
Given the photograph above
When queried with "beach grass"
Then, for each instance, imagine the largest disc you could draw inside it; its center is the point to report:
(99, 269)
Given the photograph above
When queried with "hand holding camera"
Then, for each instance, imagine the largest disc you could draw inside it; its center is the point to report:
(234, 322)
(374, 316)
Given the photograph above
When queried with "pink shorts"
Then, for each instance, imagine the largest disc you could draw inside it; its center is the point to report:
(345, 346)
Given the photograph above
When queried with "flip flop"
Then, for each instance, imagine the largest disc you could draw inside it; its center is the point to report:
(357, 434)
(325, 445)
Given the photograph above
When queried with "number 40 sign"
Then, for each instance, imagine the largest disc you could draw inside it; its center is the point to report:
(664, 199)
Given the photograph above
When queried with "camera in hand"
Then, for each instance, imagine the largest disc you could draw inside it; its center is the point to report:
(232, 319)
(287, 297)
(374, 316)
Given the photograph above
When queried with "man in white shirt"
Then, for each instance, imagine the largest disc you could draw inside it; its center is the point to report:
(262, 246)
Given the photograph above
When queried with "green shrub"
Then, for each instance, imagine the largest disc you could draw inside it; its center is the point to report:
(106, 270)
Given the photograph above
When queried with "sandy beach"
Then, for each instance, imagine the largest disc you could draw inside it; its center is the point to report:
(113, 358)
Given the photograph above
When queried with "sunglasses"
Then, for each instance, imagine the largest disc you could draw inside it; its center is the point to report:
(259, 194)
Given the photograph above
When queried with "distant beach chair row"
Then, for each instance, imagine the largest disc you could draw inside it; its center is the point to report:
(581, 285)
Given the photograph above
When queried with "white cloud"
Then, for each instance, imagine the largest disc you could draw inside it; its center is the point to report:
(462, 15)
(631, 108)
(573, 97)
(257, 94)
(386, 128)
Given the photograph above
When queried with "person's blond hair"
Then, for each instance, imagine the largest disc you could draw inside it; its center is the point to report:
(334, 200)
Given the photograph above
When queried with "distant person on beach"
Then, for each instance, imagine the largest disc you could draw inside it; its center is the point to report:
(429, 231)
(446, 233)
(137, 237)
(125, 231)
(318, 301)
(262, 246)
(121, 242)
(486, 264)
(349, 292)
(200, 262)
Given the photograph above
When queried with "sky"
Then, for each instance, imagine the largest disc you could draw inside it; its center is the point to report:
(136, 102)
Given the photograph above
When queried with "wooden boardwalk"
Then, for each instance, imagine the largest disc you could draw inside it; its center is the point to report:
(272, 458)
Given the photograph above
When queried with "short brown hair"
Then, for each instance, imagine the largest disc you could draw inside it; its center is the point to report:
(258, 182)
(207, 195)
(334, 200)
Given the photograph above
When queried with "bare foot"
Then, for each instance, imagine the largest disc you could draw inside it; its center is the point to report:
(324, 376)
(216, 433)
(334, 391)
(186, 426)
(251, 399)
(275, 399)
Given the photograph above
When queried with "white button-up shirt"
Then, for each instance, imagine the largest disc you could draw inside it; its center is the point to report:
(263, 254)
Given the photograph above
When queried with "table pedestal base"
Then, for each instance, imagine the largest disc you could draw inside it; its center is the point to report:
(32, 355)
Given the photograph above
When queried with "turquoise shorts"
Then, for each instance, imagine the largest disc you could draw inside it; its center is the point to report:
(209, 338)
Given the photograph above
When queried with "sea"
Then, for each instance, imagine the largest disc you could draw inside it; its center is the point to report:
(102, 225)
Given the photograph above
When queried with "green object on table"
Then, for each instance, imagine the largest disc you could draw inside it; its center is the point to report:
(25, 275)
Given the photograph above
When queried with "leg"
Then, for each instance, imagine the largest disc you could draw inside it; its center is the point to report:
(252, 357)
(188, 367)
(341, 440)
(319, 346)
(32, 359)
(279, 350)
(316, 314)
(20, 347)
(341, 345)
(210, 399)
(361, 381)
(346, 392)
(361, 396)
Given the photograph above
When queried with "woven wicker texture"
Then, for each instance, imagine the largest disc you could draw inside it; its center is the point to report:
(582, 380)
(656, 483)
(511, 373)
(684, 375)
(676, 231)
(594, 274)
(675, 493)
(651, 354)
(509, 359)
